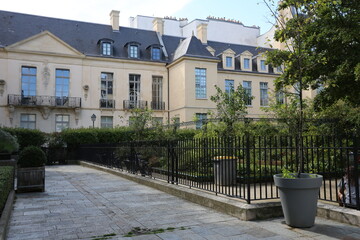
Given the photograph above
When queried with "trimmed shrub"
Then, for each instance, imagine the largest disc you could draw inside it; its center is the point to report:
(8, 143)
(31, 156)
(6, 184)
(27, 137)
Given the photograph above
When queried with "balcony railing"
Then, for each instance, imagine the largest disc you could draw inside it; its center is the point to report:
(131, 104)
(158, 105)
(107, 103)
(46, 101)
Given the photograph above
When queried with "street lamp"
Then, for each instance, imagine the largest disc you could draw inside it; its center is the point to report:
(93, 118)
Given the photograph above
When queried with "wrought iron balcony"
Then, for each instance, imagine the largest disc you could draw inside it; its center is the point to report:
(44, 101)
(131, 104)
(107, 103)
(158, 105)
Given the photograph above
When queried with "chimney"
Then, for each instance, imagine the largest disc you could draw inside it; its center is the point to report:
(158, 25)
(202, 32)
(114, 20)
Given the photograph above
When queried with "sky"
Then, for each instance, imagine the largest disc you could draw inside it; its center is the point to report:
(249, 12)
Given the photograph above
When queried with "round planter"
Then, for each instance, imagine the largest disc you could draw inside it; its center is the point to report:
(299, 198)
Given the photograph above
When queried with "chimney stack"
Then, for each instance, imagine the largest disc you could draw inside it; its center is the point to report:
(202, 32)
(158, 25)
(114, 20)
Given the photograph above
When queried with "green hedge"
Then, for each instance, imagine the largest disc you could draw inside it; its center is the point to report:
(6, 184)
(27, 137)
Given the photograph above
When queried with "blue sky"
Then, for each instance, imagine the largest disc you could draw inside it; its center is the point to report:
(249, 12)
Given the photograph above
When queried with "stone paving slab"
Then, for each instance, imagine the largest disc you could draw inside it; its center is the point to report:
(83, 203)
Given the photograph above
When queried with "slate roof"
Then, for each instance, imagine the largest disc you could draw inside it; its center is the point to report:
(84, 37)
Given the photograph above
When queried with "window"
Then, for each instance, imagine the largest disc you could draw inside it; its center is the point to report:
(229, 86)
(157, 121)
(280, 97)
(246, 63)
(264, 98)
(200, 117)
(106, 85)
(155, 53)
(157, 98)
(279, 69)
(61, 122)
(106, 49)
(28, 121)
(62, 82)
(28, 81)
(134, 90)
(262, 65)
(200, 83)
(248, 93)
(106, 122)
(229, 61)
(133, 51)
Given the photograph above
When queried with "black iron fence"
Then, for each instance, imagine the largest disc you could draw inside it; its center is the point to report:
(49, 101)
(240, 167)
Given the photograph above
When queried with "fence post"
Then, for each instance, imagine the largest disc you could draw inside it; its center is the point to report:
(356, 166)
(248, 171)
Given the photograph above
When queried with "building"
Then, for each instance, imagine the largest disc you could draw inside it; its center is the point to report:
(57, 73)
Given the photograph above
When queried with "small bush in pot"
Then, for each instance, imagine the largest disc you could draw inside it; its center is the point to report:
(31, 156)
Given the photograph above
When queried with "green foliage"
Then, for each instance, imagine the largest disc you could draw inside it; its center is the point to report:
(74, 137)
(6, 184)
(8, 143)
(31, 156)
(27, 137)
(287, 174)
(230, 107)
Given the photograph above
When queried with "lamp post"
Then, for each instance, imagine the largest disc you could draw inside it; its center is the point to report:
(93, 118)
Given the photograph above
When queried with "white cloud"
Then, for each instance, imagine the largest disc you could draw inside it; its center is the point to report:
(95, 10)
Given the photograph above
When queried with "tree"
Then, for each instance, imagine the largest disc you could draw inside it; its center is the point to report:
(322, 48)
(230, 107)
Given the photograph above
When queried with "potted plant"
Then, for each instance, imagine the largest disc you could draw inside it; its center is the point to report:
(8, 145)
(31, 170)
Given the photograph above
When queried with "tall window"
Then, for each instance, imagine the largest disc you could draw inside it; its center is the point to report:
(62, 80)
(200, 117)
(106, 48)
(61, 122)
(246, 63)
(156, 121)
(228, 61)
(157, 97)
(229, 86)
(134, 89)
(248, 93)
(155, 53)
(28, 81)
(200, 83)
(134, 51)
(28, 121)
(280, 97)
(106, 85)
(262, 65)
(106, 122)
(264, 98)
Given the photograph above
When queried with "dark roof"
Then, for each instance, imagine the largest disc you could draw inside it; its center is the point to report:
(84, 37)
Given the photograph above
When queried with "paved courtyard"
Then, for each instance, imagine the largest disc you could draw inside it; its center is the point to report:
(82, 203)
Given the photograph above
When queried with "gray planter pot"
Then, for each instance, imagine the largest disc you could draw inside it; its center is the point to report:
(299, 198)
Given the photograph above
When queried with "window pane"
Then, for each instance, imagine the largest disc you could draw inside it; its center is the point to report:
(246, 63)
(200, 117)
(62, 82)
(264, 100)
(28, 121)
(106, 85)
(133, 51)
(28, 81)
(155, 53)
(200, 82)
(262, 65)
(61, 122)
(106, 121)
(229, 86)
(228, 61)
(248, 92)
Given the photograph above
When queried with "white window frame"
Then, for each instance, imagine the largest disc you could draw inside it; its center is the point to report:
(200, 83)
(27, 123)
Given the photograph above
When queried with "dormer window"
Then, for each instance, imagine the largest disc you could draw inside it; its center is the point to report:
(246, 63)
(106, 47)
(245, 59)
(228, 59)
(133, 49)
(262, 65)
(229, 62)
(155, 53)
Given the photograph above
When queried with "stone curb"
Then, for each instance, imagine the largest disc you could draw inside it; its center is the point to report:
(5, 217)
(236, 208)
